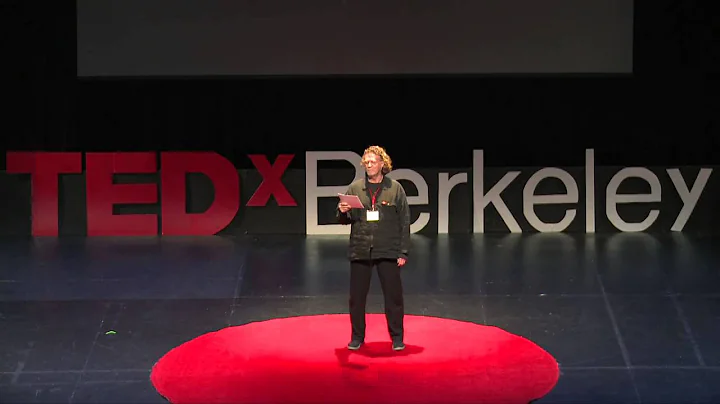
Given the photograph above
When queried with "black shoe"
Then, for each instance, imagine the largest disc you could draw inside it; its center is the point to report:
(354, 345)
(398, 346)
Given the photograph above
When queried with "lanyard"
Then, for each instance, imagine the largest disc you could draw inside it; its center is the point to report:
(374, 195)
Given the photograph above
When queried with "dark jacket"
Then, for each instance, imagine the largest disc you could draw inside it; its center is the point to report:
(388, 237)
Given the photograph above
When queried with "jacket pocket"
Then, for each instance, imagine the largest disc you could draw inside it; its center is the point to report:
(389, 213)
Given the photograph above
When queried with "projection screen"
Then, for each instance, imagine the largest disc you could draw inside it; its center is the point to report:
(329, 37)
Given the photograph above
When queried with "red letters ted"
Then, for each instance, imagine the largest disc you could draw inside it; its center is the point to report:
(225, 179)
(102, 194)
(44, 168)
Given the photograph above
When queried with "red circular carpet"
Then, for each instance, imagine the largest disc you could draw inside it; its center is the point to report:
(305, 360)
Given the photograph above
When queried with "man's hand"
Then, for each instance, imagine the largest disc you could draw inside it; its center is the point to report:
(344, 207)
(401, 261)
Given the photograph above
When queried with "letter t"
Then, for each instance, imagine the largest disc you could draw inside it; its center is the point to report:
(44, 169)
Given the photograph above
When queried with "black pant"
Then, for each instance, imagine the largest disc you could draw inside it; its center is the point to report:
(360, 277)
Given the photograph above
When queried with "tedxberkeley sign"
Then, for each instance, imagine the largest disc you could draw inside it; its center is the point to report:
(102, 193)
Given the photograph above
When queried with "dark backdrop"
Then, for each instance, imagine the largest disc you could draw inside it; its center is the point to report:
(663, 114)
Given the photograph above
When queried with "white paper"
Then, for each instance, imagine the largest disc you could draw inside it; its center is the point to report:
(373, 215)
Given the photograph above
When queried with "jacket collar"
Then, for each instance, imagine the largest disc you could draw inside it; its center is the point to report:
(385, 182)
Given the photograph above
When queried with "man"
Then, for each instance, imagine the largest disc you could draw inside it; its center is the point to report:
(379, 237)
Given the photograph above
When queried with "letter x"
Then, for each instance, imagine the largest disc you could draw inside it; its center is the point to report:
(271, 185)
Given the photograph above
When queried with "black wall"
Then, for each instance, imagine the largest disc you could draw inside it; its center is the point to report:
(665, 114)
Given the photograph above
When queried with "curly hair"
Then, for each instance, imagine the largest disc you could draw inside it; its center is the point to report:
(380, 152)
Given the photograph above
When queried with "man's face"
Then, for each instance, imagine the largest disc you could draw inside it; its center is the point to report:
(372, 163)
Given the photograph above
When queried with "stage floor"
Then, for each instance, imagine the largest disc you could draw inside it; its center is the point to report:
(629, 317)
